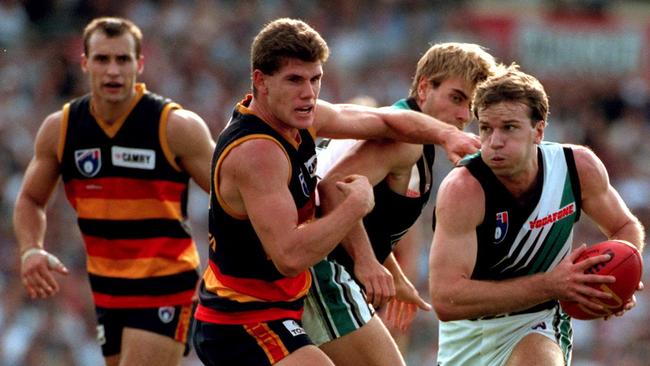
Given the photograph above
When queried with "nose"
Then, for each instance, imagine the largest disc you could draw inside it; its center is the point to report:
(463, 116)
(309, 91)
(113, 68)
(496, 140)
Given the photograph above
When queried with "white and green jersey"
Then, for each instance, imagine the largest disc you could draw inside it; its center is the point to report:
(517, 239)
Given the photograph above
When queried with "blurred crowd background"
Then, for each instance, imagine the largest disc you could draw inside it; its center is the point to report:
(593, 56)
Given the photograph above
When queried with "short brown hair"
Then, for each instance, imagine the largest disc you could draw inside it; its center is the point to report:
(113, 27)
(286, 38)
(512, 85)
(468, 61)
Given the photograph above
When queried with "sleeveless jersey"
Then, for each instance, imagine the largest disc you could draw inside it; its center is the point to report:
(394, 213)
(241, 284)
(519, 240)
(130, 197)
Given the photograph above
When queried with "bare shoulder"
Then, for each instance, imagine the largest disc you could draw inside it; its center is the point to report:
(591, 170)
(460, 195)
(187, 134)
(47, 138)
(183, 120)
(261, 158)
(460, 183)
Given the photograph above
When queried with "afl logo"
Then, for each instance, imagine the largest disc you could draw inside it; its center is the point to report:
(501, 227)
(88, 161)
(166, 314)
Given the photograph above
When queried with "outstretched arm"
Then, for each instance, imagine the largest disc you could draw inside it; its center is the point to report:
(459, 210)
(29, 218)
(360, 122)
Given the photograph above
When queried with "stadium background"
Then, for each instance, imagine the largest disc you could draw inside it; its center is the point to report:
(593, 56)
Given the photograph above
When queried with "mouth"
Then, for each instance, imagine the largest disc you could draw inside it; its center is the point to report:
(113, 86)
(305, 110)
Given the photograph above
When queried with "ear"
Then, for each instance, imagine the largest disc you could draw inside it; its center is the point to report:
(259, 81)
(140, 64)
(539, 131)
(84, 62)
(422, 88)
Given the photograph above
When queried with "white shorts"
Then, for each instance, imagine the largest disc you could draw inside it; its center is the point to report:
(491, 341)
(335, 305)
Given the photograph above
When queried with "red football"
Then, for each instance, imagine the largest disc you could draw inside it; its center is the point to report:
(626, 265)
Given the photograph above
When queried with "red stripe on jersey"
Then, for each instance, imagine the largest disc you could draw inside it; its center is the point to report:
(120, 302)
(124, 188)
(283, 289)
(162, 247)
(206, 314)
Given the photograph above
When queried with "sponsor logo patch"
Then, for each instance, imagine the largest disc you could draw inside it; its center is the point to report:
(166, 314)
(293, 327)
(128, 157)
(88, 161)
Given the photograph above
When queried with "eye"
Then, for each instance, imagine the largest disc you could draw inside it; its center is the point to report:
(122, 59)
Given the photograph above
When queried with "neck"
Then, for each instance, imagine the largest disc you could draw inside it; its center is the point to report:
(110, 112)
(262, 110)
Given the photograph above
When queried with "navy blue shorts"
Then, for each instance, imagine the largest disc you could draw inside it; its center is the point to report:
(248, 344)
(171, 321)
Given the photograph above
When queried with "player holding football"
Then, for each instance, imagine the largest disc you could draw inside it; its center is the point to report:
(495, 275)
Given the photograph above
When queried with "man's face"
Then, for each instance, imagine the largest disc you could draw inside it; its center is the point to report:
(508, 138)
(112, 66)
(291, 92)
(449, 102)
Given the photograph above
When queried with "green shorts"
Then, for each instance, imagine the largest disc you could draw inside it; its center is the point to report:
(491, 341)
(335, 305)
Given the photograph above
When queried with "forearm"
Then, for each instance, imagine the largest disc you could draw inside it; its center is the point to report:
(394, 268)
(467, 299)
(417, 128)
(29, 222)
(311, 242)
(633, 232)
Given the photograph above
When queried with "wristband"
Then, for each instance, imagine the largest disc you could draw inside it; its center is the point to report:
(52, 261)
(31, 251)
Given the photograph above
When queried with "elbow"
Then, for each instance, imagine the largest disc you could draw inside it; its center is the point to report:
(444, 311)
(444, 305)
(288, 267)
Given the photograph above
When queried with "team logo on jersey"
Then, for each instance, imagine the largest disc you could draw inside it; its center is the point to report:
(304, 185)
(501, 228)
(311, 165)
(129, 157)
(88, 161)
(166, 313)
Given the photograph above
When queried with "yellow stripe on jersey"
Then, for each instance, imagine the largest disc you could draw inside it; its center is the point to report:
(143, 267)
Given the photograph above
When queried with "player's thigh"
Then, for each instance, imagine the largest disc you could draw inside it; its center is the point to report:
(141, 347)
(536, 349)
(307, 355)
(370, 345)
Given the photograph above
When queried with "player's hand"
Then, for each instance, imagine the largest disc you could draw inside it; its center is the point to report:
(358, 188)
(401, 310)
(629, 304)
(37, 266)
(376, 280)
(460, 143)
(571, 283)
